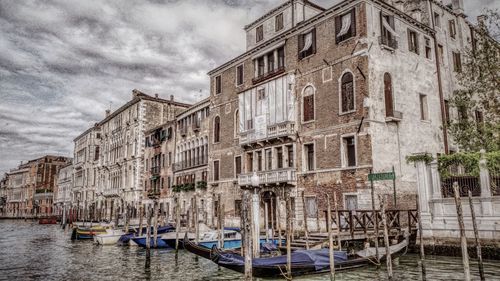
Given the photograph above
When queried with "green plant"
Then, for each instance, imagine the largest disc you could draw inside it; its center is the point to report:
(493, 161)
(201, 185)
(426, 157)
(469, 162)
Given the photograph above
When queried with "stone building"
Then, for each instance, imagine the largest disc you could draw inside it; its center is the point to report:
(323, 97)
(3, 195)
(191, 160)
(121, 156)
(63, 190)
(19, 196)
(85, 172)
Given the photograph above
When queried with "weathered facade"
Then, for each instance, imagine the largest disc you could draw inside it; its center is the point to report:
(63, 190)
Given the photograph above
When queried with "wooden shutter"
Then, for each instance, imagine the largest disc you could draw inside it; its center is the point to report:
(352, 29)
(308, 108)
(300, 41)
(389, 108)
(313, 51)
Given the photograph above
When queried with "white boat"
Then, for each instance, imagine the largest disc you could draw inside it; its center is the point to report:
(111, 237)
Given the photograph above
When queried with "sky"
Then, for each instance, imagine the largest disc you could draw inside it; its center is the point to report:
(64, 62)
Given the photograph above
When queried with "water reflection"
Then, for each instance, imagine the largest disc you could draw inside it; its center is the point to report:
(29, 251)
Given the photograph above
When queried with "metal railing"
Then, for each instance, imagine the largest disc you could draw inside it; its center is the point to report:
(268, 75)
(466, 182)
(191, 163)
(494, 182)
(269, 177)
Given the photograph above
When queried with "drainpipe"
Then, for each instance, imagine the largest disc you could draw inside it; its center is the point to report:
(440, 86)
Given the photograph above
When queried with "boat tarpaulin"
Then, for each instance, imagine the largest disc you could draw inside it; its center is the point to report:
(317, 258)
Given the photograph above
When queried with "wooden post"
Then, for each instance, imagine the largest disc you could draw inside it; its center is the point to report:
(318, 225)
(304, 211)
(219, 222)
(388, 257)
(330, 238)
(117, 214)
(463, 238)
(127, 217)
(266, 222)
(196, 221)
(155, 223)
(337, 218)
(375, 220)
(288, 235)
(177, 223)
(476, 237)
(422, 255)
(148, 231)
(278, 219)
(247, 246)
(141, 211)
(272, 220)
(222, 218)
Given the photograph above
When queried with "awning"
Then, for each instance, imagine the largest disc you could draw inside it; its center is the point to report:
(388, 27)
(346, 24)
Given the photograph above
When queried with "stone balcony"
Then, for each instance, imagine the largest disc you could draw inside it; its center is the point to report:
(275, 131)
(111, 192)
(269, 177)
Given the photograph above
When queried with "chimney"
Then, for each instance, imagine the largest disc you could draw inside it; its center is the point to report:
(135, 93)
(108, 112)
(458, 6)
(156, 95)
(171, 97)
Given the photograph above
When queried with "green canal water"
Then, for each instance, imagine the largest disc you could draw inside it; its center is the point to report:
(29, 251)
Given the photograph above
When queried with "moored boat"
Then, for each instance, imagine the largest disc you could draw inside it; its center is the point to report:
(111, 237)
(48, 220)
(80, 233)
(141, 242)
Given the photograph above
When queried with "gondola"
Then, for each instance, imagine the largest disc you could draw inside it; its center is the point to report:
(304, 262)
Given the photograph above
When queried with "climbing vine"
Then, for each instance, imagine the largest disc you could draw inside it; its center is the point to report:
(426, 157)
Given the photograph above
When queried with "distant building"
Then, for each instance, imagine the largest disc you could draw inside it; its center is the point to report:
(63, 190)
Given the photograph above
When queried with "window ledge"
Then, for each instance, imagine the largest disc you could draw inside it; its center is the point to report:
(308, 122)
(346, 40)
(347, 112)
(427, 121)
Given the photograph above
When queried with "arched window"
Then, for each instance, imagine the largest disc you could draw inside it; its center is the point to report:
(308, 104)
(347, 93)
(217, 129)
(389, 105)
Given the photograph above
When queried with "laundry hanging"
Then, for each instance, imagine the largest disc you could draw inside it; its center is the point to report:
(307, 42)
(346, 25)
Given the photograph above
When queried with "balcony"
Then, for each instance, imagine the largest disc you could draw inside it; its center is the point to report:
(183, 131)
(196, 125)
(192, 163)
(155, 170)
(388, 43)
(268, 75)
(397, 116)
(272, 132)
(111, 192)
(269, 177)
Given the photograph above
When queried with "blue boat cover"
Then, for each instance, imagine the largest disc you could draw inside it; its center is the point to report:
(162, 229)
(317, 258)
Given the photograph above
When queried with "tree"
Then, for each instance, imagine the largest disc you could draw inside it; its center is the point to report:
(478, 101)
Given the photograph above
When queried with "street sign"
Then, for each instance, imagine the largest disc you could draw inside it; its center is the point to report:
(381, 176)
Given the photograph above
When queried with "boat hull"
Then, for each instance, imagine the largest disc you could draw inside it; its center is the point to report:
(141, 242)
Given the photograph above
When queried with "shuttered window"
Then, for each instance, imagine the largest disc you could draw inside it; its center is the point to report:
(351, 32)
(259, 33)
(307, 44)
(217, 129)
(389, 106)
(413, 41)
(347, 93)
(216, 170)
(239, 75)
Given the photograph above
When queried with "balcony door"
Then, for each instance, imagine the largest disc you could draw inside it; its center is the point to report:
(269, 197)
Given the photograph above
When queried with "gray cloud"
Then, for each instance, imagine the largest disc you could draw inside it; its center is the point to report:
(62, 63)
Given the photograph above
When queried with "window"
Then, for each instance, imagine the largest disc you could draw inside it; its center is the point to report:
(479, 116)
(237, 208)
(270, 62)
(281, 57)
(311, 207)
(351, 202)
(427, 48)
(259, 161)
(169, 182)
(347, 93)
(307, 44)
(437, 20)
(260, 66)
(96, 153)
(388, 32)
(349, 151)
(163, 160)
(452, 29)
(216, 170)
(249, 162)
(309, 154)
(261, 94)
(217, 129)
(413, 41)
(259, 33)
(447, 110)
(389, 105)
(289, 149)
(308, 104)
(170, 158)
(269, 159)
(423, 108)
(278, 22)
(236, 123)
(217, 85)
(457, 62)
(239, 75)
(279, 157)
(237, 165)
(345, 26)
(441, 53)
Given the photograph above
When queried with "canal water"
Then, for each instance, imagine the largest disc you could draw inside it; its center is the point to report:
(29, 251)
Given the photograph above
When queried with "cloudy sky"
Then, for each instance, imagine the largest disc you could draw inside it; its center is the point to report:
(63, 63)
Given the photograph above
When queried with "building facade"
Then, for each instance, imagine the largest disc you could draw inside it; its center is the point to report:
(63, 190)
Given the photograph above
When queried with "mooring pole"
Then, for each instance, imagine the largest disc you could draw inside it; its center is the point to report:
(148, 232)
(304, 211)
(375, 221)
(278, 219)
(337, 219)
(248, 247)
(288, 235)
(272, 219)
(422, 254)
(155, 223)
(177, 223)
(222, 217)
(394, 186)
(219, 222)
(388, 256)
(330, 238)
(476, 237)
(196, 221)
(141, 214)
(463, 238)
